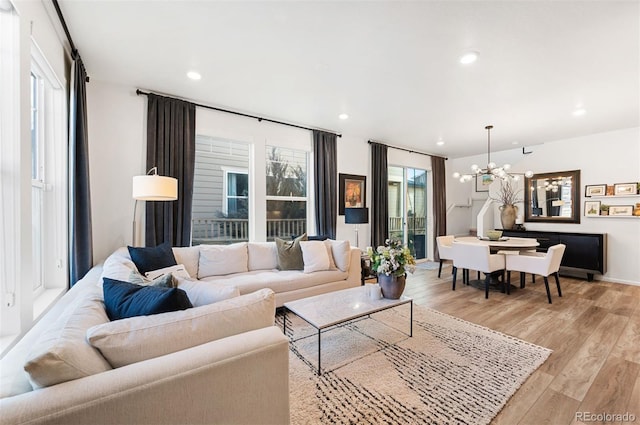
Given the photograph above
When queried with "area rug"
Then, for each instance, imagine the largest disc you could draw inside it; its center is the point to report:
(450, 372)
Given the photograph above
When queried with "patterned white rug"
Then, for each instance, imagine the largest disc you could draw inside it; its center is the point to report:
(450, 372)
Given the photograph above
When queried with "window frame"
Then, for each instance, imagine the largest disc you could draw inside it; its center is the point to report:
(225, 186)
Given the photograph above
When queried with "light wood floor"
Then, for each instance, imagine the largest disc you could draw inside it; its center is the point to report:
(593, 330)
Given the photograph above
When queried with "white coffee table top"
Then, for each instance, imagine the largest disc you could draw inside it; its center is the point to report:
(325, 310)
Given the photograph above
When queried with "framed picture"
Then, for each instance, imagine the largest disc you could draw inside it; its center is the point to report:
(482, 183)
(591, 208)
(620, 210)
(624, 189)
(353, 192)
(595, 190)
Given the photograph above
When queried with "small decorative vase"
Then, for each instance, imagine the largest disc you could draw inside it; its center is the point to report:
(508, 215)
(392, 286)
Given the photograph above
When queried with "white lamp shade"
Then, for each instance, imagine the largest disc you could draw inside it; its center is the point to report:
(155, 188)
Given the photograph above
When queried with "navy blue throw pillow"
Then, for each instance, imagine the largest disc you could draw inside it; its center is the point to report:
(124, 299)
(149, 259)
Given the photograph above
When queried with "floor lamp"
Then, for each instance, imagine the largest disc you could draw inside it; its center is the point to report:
(356, 216)
(152, 187)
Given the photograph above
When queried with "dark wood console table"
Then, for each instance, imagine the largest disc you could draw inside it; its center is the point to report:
(585, 252)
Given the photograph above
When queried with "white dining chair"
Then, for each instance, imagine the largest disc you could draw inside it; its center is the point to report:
(444, 249)
(543, 264)
(472, 256)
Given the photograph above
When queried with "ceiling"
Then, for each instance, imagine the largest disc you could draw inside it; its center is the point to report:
(393, 66)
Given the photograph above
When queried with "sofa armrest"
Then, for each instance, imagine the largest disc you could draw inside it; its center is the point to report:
(355, 267)
(239, 379)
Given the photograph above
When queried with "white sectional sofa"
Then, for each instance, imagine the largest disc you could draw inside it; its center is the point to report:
(250, 266)
(216, 363)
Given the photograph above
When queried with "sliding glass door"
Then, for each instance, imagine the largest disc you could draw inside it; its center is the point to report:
(408, 208)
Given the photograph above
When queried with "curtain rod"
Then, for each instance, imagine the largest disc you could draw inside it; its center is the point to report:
(74, 52)
(140, 92)
(408, 150)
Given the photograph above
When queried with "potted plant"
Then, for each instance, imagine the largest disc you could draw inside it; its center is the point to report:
(391, 262)
(508, 196)
(604, 209)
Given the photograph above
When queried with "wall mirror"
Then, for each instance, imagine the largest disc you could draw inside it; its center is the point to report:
(552, 197)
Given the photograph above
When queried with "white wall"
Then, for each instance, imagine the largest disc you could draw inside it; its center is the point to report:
(605, 158)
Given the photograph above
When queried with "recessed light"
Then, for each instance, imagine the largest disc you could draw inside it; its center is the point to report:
(194, 75)
(343, 116)
(515, 142)
(469, 57)
(440, 142)
(579, 112)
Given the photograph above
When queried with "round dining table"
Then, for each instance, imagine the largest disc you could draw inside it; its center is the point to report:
(505, 246)
(509, 244)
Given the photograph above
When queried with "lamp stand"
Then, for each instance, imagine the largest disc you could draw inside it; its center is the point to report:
(357, 242)
(135, 226)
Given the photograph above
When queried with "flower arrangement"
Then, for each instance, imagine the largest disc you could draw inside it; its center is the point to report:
(508, 194)
(392, 258)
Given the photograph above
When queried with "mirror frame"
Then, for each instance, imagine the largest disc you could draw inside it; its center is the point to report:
(575, 198)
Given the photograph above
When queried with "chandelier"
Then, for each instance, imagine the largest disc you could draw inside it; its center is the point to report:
(492, 171)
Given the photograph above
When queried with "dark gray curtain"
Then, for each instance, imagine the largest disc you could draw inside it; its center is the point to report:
(81, 237)
(325, 171)
(380, 189)
(439, 200)
(171, 126)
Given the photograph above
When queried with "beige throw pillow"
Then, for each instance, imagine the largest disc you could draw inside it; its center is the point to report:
(341, 254)
(314, 254)
(135, 339)
(203, 293)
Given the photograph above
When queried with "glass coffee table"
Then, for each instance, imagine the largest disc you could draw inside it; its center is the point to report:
(335, 308)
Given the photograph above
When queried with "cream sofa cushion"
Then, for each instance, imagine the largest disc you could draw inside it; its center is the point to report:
(118, 266)
(188, 256)
(341, 254)
(218, 260)
(314, 256)
(62, 353)
(135, 339)
(262, 256)
(204, 293)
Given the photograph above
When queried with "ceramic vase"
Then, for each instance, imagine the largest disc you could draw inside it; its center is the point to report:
(392, 286)
(508, 215)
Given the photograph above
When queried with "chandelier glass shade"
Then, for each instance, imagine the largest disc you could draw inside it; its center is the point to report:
(492, 170)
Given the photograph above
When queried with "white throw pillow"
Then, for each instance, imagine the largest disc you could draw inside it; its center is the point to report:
(262, 256)
(135, 339)
(341, 254)
(203, 293)
(332, 263)
(118, 266)
(62, 353)
(189, 256)
(177, 271)
(218, 260)
(315, 256)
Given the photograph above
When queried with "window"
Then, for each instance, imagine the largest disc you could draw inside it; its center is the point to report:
(49, 210)
(286, 192)
(220, 210)
(236, 193)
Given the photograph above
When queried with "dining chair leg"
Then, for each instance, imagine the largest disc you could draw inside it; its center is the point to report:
(507, 284)
(478, 276)
(465, 276)
(455, 272)
(440, 268)
(522, 280)
(486, 285)
(558, 283)
(509, 276)
(533, 278)
(546, 285)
